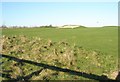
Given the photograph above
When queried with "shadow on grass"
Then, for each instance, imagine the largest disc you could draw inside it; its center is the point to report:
(45, 66)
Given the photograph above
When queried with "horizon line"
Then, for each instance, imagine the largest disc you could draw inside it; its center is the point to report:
(54, 25)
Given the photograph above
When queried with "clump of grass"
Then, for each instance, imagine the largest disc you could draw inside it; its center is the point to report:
(38, 50)
(59, 54)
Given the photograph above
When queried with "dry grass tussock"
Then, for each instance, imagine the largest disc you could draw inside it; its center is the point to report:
(59, 54)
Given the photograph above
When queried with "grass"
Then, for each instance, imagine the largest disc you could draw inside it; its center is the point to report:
(101, 39)
(95, 48)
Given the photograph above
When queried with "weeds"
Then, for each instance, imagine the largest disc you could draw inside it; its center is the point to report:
(59, 54)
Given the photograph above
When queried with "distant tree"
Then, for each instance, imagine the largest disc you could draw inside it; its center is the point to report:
(81, 26)
(50, 25)
(4, 26)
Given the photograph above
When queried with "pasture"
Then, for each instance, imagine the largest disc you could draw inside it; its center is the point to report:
(102, 39)
(96, 48)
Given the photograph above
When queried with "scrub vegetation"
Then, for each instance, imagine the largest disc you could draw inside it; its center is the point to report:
(89, 50)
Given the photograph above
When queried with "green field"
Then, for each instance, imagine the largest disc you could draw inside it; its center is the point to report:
(102, 40)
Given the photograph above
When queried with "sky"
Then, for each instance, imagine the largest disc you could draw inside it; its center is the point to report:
(59, 13)
(59, 0)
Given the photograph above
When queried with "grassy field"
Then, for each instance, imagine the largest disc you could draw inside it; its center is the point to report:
(102, 41)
